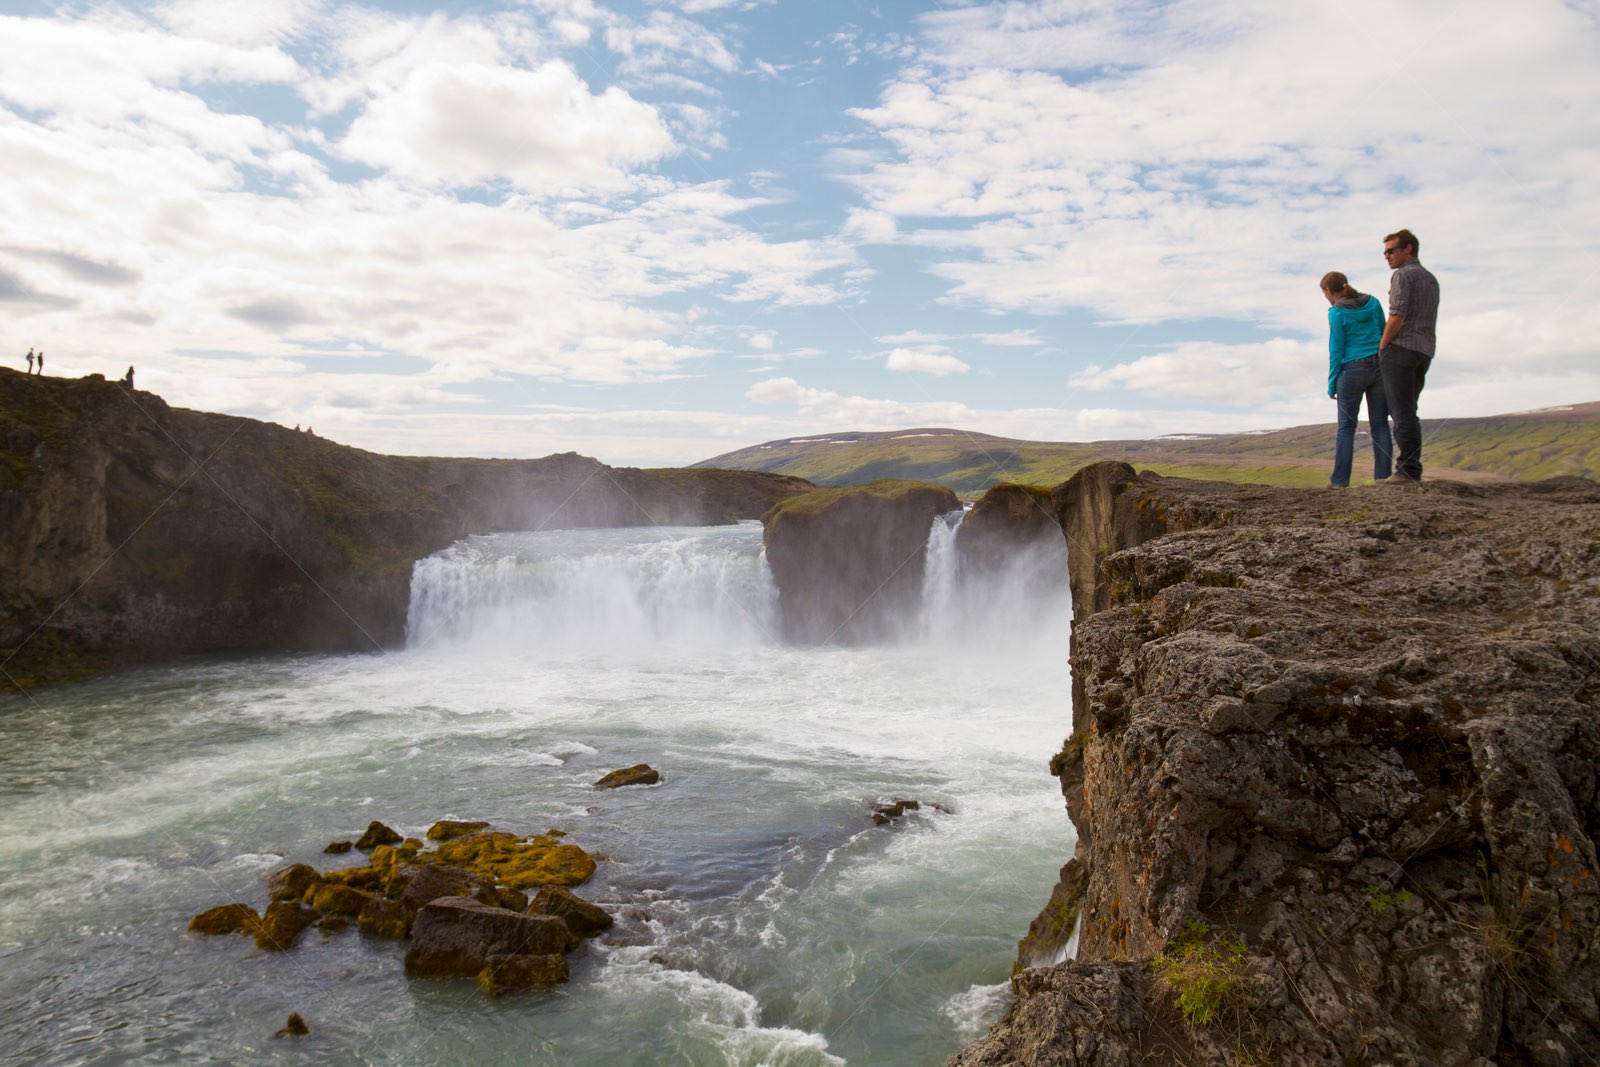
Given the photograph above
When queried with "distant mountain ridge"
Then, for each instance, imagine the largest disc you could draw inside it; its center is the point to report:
(1522, 446)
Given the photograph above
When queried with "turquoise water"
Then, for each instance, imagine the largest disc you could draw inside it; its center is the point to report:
(762, 918)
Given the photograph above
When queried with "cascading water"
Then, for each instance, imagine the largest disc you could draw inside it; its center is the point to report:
(622, 591)
(939, 577)
(761, 917)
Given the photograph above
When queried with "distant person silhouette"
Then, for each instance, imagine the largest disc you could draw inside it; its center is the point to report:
(41, 363)
(128, 378)
(30, 361)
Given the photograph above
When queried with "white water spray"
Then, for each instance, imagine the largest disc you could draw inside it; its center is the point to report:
(607, 591)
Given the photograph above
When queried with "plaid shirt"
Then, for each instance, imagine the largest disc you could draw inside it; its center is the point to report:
(1414, 296)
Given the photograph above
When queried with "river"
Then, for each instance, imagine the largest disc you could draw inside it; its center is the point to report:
(762, 917)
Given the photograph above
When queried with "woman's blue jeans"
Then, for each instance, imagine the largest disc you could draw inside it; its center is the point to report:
(1362, 378)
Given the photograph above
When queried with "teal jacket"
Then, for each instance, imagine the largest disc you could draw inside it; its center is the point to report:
(1354, 329)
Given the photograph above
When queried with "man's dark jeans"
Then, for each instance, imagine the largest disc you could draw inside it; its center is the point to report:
(1404, 370)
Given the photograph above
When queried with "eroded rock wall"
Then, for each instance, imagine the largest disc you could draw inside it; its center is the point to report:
(134, 531)
(1356, 731)
(849, 563)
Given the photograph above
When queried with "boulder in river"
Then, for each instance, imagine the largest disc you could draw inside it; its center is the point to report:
(582, 918)
(282, 923)
(330, 898)
(516, 862)
(383, 917)
(503, 974)
(226, 919)
(445, 829)
(456, 936)
(291, 883)
(638, 774)
(295, 1027)
(377, 834)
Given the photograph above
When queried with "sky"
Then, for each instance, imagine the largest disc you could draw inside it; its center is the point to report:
(656, 231)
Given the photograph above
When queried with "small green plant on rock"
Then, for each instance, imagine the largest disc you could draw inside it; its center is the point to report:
(1206, 973)
(1380, 899)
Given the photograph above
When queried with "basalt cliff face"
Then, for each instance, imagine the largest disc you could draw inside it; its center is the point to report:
(1334, 774)
(134, 531)
(848, 563)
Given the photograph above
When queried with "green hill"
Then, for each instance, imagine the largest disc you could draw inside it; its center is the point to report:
(1525, 446)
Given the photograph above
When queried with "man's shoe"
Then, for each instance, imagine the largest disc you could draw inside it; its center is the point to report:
(1403, 480)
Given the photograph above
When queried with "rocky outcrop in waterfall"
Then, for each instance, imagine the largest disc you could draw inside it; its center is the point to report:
(848, 563)
(1334, 774)
(133, 531)
(1007, 521)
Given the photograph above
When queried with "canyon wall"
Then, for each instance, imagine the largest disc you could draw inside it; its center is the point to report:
(133, 531)
(1333, 770)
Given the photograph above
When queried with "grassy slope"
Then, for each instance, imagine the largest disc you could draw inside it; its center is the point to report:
(1525, 447)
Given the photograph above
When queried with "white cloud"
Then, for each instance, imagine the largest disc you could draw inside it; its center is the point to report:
(663, 39)
(910, 337)
(925, 361)
(1177, 161)
(239, 22)
(542, 129)
(1011, 339)
(1207, 372)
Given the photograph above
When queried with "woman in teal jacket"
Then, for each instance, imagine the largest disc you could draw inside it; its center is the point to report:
(1355, 325)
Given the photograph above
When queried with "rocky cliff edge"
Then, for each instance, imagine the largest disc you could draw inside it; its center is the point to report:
(131, 531)
(1334, 776)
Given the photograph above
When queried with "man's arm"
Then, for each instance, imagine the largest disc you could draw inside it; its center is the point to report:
(1391, 328)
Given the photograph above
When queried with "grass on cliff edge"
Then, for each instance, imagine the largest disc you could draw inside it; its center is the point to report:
(1206, 973)
(817, 501)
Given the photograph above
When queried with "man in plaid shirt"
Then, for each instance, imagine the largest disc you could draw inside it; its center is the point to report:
(1406, 349)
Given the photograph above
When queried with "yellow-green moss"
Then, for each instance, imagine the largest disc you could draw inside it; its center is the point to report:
(516, 862)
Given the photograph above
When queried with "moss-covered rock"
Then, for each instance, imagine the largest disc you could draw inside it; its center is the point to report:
(332, 899)
(378, 834)
(370, 879)
(504, 974)
(226, 919)
(384, 917)
(517, 862)
(292, 882)
(282, 924)
(445, 829)
(638, 774)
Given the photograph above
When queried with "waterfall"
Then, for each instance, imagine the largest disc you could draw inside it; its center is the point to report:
(611, 591)
(632, 591)
(940, 577)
